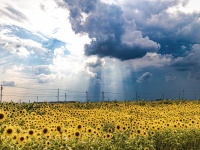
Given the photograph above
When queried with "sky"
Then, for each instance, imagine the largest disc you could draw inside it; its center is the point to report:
(95, 50)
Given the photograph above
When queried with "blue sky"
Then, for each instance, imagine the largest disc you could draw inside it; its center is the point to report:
(121, 47)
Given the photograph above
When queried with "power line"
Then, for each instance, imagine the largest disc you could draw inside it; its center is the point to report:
(72, 91)
(118, 92)
(76, 94)
(33, 88)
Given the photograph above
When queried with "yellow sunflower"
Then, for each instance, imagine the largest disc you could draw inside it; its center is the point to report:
(9, 131)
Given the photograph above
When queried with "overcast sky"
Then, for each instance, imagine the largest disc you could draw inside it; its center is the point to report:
(121, 47)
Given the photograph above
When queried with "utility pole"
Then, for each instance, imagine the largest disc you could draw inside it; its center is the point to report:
(136, 96)
(37, 99)
(163, 96)
(1, 92)
(103, 97)
(65, 97)
(58, 96)
(86, 96)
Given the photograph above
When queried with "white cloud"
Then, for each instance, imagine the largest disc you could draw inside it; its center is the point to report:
(53, 21)
(134, 39)
(145, 77)
(94, 61)
(43, 78)
(187, 6)
(59, 51)
(16, 45)
(150, 60)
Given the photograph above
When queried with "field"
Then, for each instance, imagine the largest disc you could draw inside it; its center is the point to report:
(141, 125)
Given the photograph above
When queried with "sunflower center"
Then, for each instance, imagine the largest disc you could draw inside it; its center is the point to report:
(1, 116)
(45, 131)
(138, 131)
(31, 132)
(58, 128)
(79, 126)
(9, 131)
(77, 133)
(21, 138)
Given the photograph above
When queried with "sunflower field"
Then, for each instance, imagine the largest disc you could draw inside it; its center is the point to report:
(117, 125)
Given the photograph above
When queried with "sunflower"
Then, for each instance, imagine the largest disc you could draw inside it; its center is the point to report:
(47, 143)
(59, 128)
(138, 131)
(152, 133)
(31, 132)
(110, 130)
(98, 128)
(69, 136)
(45, 130)
(14, 137)
(77, 134)
(9, 131)
(89, 130)
(21, 140)
(79, 126)
(2, 116)
(118, 127)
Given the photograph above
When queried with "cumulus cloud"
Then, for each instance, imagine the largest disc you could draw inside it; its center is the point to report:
(93, 65)
(170, 77)
(43, 78)
(41, 69)
(8, 83)
(106, 26)
(94, 62)
(129, 29)
(150, 60)
(28, 47)
(145, 77)
(165, 23)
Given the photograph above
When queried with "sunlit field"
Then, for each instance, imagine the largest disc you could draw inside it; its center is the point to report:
(140, 125)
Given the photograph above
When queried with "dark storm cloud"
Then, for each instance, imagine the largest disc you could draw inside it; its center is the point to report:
(180, 30)
(170, 30)
(190, 62)
(106, 25)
